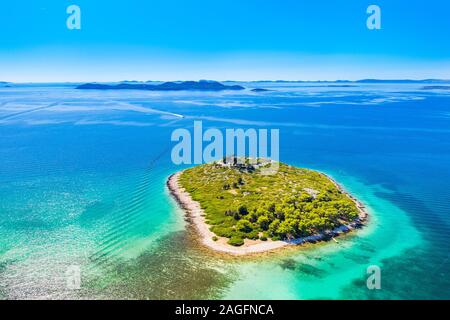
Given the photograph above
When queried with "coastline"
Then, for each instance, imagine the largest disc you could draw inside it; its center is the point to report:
(196, 216)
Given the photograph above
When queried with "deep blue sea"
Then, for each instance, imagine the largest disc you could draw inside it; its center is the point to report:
(82, 183)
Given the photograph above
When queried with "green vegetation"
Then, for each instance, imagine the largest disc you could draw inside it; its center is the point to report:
(292, 203)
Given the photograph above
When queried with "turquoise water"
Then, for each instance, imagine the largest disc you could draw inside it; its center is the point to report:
(82, 183)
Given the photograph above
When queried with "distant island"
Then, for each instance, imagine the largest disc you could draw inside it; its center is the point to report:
(238, 210)
(341, 86)
(260, 90)
(436, 88)
(202, 85)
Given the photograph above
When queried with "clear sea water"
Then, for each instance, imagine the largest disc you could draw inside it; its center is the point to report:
(82, 183)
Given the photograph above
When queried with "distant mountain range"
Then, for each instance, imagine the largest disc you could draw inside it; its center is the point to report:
(402, 81)
(166, 86)
(353, 81)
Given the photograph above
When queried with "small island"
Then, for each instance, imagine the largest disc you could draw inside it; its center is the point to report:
(260, 90)
(236, 209)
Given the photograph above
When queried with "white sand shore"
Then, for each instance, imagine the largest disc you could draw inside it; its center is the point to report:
(196, 215)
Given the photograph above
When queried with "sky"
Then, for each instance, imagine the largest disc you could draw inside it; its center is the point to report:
(223, 40)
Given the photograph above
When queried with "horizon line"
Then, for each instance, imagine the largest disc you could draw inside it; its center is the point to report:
(229, 80)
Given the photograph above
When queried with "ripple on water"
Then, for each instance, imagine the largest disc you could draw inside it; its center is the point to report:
(171, 270)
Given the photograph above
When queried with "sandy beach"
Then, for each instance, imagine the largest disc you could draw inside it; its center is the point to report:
(197, 218)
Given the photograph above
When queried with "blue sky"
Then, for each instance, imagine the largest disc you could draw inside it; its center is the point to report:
(217, 39)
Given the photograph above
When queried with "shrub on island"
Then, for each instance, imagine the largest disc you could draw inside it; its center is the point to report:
(236, 241)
